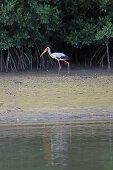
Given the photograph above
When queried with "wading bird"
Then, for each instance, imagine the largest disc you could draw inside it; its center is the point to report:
(58, 56)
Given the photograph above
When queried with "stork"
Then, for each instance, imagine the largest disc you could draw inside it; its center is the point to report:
(58, 56)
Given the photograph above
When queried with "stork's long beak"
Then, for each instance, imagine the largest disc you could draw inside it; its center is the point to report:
(43, 52)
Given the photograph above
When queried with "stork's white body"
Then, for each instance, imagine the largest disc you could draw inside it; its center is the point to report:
(58, 57)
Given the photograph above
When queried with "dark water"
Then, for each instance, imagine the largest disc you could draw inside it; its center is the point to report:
(61, 147)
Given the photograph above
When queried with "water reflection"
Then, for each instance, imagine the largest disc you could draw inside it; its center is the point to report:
(87, 147)
(59, 146)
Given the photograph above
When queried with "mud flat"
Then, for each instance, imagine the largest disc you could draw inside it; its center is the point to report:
(35, 97)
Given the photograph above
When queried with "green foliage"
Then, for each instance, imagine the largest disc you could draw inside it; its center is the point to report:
(86, 19)
(105, 32)
(22, 23)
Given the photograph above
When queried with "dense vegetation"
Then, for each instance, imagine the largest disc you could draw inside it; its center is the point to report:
(80, 28)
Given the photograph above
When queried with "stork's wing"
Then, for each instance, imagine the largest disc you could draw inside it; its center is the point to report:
(64, 57)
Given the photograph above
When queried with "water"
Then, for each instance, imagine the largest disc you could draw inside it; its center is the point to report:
(57, 147)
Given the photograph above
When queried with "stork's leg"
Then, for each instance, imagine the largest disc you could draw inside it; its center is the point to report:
(68, 64)
(59, 66)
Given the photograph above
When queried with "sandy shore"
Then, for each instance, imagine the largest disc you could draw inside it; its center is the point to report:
(46, 96)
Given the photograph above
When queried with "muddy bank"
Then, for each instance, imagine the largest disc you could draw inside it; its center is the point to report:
(46, 96)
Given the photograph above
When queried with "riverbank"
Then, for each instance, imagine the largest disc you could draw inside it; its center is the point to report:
(45, 96)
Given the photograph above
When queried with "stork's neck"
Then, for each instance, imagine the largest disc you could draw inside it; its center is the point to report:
(49, 51)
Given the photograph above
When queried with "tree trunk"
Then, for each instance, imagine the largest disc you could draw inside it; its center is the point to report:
(1, 62)
(7, 61)
(108, 57)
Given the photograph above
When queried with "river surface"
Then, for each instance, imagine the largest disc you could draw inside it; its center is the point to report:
(57, 147)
